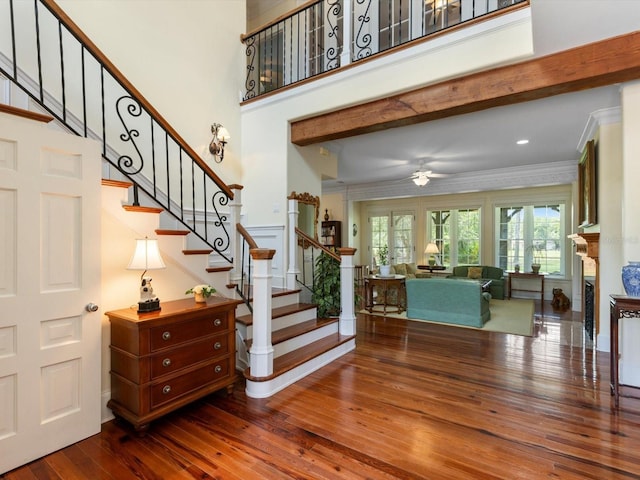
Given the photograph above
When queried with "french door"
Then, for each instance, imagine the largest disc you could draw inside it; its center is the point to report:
(396, 231)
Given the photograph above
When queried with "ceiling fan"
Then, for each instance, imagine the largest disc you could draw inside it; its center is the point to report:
(422, 176)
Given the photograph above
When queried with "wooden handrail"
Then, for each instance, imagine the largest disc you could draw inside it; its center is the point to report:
(111, 68)
(247, 236)
(317, 244)
(19, 112)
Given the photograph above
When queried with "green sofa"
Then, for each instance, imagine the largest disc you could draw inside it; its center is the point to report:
(495, 274)
(447, 300)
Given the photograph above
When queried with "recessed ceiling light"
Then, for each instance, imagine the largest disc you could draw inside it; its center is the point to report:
(524, 141)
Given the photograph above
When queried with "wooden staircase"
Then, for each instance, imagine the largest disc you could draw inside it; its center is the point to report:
(301, 342)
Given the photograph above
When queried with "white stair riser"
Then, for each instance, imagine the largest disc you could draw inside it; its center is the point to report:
(282, 322)
(305, 339)
(270, 387)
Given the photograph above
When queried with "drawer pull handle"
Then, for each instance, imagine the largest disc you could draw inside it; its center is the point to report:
(218, 369)
(166, 389)
(166, 335)
(217, 322)
(166, 362)
(217, 346)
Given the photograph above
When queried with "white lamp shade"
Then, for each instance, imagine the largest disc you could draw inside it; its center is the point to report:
(146, 256)
(223, 134)
(431, 248)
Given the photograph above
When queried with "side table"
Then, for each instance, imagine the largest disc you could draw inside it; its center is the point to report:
(532, 276)
(383, 286)
(621, 307)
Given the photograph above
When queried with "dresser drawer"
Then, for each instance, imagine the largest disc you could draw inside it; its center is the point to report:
(163, 392)
(179, 332)
(180, 357)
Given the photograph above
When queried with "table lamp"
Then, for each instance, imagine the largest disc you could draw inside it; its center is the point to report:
(146, 257)
(431, 250)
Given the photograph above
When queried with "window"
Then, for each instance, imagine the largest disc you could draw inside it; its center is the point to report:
(394, 229)
(457, 235)
(531, 234)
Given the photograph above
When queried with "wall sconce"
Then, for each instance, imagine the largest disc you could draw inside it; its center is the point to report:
(220, 138)
(146, 257)
(432, 250)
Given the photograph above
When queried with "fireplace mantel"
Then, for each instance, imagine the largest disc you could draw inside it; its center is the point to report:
(588, 246)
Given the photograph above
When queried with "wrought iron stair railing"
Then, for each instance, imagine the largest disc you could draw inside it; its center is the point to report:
(325, 35)
(47, 56)
(309, 249)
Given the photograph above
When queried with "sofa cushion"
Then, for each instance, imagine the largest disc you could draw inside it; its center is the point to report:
(400, 269)
(411, 268)
(474, 273)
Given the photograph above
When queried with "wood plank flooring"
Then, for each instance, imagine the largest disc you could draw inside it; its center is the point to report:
(414, 400)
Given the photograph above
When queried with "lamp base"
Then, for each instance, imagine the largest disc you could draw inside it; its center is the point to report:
(149, 306)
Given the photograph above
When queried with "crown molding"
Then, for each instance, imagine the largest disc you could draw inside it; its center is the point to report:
(546, 174)
(605, 116)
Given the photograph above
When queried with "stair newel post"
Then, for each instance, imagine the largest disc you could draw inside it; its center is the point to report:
(293, 271)
(235, 210)
(347, 292)
(261, 352)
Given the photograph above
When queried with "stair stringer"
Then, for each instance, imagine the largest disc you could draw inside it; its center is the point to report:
(171, 247)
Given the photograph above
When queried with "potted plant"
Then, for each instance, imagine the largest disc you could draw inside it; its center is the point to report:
(326, 286)
(201, 292)
(535, 253)
(383, 258)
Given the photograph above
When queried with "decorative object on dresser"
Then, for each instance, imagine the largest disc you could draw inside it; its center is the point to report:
(201, 292)
(146, 257)
(163, 360)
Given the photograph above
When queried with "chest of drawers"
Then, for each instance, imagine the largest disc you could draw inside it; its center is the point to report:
(165, 359)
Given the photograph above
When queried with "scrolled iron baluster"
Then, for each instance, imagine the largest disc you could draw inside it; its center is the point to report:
(250, 83)
(221, 199)
(333, 11)
(363, 40)
(125, 162)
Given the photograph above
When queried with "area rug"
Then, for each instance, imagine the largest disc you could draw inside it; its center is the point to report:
(513, 316)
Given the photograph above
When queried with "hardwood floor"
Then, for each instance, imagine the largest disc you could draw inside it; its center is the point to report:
(414, 400)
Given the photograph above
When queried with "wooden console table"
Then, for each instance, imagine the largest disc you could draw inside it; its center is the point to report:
(525, 276)
(621, 307)
(383, 286)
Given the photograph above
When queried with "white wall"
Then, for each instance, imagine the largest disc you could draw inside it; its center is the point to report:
(185, 57)
(609, 156)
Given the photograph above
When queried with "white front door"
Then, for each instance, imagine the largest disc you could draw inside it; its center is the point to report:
(49, 271)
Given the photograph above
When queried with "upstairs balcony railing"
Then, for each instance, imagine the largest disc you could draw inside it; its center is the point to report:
(45, 54)
(310, 40)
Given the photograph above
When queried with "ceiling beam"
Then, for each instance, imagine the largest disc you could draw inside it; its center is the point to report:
(597, 64)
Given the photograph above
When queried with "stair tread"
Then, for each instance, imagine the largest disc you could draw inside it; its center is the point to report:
(287, 333)
(140, 208)
(278, 312)
(107, 182)
(299, 356)
(161, 231)
(197, 252)
(219, 269)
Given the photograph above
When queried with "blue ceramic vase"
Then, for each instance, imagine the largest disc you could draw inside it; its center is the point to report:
(631, 279)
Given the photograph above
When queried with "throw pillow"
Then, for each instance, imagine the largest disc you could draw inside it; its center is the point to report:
(474, 272)
(400, 268)
(411, 268)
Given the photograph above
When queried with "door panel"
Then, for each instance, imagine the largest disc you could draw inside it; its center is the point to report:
(49, 270)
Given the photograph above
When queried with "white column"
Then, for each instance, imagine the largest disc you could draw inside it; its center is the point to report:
(261, 352)
(347, 294)
(235, 239)
(293, 270)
